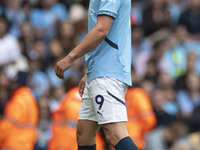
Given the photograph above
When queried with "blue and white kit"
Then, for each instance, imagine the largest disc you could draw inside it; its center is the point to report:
(109, 64)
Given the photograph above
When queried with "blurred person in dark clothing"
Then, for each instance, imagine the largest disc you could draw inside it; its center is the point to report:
(148, 86)
(159, 47)
(155, 17)
(158, 102)
(27, 38)
(190, 18)
(190, 98)
(151, 71)
(164, 81)
(194, 120)
(180, 83)
(67, 3)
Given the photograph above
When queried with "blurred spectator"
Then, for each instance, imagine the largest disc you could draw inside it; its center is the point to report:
(64, 41)
(164, 136)
(18, 126)
(159, 101)
(141, 118)
(159, 48)
(136, 14)
(56, 95)
(141, 49)
(194, 47)
(39, 52)
(164, 81)
(151, 70)
(46, 16)
(10, 56)
(194, 120)
(170, 105)
(191, 62)
(148, 86)
(181, 145)
(173, 59)
(27, 38)
(175, 8)
(190, 98)
(9, 47)
(15, 14)
(190, 18)
(79, 15)
(43, 128)
(64, 122)
(155, 17)
(38, 80)
(26, 7)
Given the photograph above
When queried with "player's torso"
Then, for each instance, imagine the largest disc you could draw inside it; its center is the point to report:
(117, 45)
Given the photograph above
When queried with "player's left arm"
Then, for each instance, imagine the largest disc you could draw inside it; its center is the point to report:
(91, 40)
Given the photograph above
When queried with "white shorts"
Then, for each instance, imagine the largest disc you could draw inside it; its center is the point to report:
(103, 101)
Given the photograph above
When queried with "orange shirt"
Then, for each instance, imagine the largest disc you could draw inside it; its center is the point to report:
(141, 118)
(64, 122)
(17, 128)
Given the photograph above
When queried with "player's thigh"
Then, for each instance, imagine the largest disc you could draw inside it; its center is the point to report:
(114, 132)
(86, 132)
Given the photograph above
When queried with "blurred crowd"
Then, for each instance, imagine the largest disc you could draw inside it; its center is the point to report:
(35, 34)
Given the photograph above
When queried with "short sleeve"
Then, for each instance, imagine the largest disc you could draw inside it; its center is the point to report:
(109, 7)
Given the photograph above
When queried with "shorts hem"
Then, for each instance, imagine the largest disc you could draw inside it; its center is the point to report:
(112, 121)
(104, 122)
(88, 119)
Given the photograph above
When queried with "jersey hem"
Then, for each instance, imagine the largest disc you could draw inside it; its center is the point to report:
(91, 77)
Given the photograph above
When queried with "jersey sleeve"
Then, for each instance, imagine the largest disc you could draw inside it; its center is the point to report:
(109, 7)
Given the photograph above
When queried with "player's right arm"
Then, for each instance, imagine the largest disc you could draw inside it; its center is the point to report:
(92, 40)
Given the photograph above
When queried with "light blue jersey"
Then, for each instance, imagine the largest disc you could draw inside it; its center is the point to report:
(112, 57)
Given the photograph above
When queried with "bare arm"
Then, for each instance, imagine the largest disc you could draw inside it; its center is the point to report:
(92, 40)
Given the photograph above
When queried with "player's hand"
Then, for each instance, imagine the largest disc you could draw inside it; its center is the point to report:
(62, 66)
(82, 85)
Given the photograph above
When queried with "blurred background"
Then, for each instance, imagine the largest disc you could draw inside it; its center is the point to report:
(35, 34)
